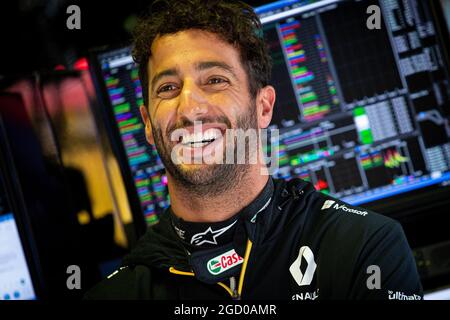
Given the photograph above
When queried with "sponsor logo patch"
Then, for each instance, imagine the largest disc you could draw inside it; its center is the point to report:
(332, 204)
(224, 262)
(397, 295)
(306, 295)
(303, 278)
(327, 204)
(209, 236)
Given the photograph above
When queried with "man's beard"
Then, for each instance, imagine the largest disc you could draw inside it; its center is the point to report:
(211, 179)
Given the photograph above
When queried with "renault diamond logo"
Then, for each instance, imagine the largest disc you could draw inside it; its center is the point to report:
(303, 279)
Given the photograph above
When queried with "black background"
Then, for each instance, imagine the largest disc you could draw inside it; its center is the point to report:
(34, 36)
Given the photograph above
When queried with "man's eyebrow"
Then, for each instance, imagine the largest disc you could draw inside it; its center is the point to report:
(215, 64)
(164, 73)
(204, 65)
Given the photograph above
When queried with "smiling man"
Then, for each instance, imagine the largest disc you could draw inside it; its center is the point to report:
(232, 231)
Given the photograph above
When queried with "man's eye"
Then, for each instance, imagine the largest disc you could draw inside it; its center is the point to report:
(166, 88)
(216, 81)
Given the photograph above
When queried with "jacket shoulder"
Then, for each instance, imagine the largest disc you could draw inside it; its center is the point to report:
(123, 284)
(355, 240)
(329, 211)
(309, 214)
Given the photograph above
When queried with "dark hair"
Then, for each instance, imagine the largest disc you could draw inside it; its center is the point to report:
(233, 21)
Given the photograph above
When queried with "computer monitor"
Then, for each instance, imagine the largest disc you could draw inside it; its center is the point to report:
(116, 79)
(15, 278)
(362, 107)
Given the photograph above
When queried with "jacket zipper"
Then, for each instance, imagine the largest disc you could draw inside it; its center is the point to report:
(233, 288)
(233, 291)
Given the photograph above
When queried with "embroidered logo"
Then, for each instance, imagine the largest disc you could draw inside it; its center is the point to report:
(224, 262)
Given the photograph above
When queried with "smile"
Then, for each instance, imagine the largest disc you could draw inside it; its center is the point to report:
(200, 139)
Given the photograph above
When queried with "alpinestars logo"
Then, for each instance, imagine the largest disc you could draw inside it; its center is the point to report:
(303, 278)
(209, 236)
(332, 204)
(224, 262)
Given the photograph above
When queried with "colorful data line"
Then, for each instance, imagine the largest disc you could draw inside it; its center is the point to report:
(302, 75)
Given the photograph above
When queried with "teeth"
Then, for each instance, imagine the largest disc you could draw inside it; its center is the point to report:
(199, 144)
(199, 137)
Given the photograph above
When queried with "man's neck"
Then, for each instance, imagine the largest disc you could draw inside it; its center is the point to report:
(191, 207)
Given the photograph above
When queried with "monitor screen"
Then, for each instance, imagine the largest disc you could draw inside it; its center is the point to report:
(120, 81)
(15, 279)
(362, 104)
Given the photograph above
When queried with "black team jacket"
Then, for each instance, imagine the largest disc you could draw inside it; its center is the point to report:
(290, 243)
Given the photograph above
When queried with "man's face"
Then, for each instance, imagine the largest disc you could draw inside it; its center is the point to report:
(195, 76)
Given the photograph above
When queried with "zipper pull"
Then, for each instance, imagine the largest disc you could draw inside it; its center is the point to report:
(234, 289)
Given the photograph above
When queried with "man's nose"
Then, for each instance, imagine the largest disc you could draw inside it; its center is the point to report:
(192, 102)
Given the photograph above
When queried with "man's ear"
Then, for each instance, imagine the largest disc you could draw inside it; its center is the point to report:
(265, 102)
(148, 125)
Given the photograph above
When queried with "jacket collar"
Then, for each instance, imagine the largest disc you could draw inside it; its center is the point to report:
(161, 247)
